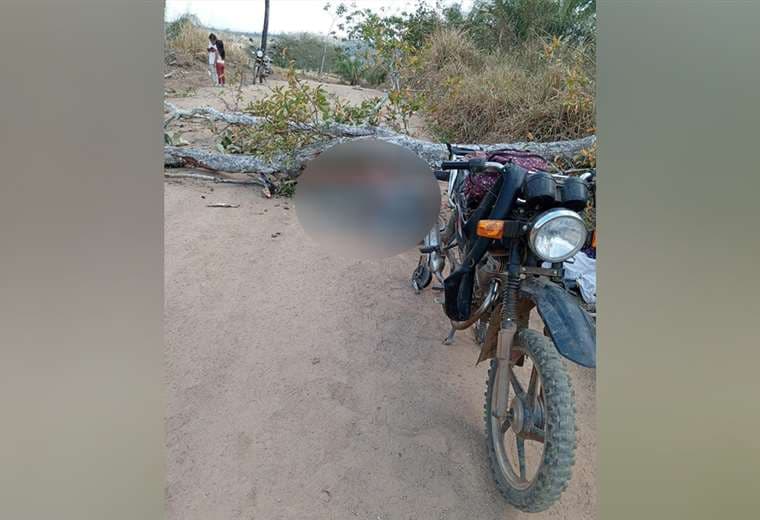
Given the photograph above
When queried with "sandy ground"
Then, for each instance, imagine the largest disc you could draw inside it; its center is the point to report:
(310, 387)
(304, 386)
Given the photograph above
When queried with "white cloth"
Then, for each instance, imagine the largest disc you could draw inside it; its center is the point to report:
(582, 269)
(211, 54)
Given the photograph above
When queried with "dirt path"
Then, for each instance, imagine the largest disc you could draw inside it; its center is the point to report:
(303, 386)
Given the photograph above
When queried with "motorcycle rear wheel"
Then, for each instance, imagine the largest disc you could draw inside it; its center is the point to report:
(550, 416)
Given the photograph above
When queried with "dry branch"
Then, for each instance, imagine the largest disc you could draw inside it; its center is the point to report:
(213, 178)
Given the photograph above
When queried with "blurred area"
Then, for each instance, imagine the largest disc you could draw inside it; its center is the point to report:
(367, 199)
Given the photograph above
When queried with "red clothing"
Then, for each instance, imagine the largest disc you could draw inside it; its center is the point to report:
(220, 71)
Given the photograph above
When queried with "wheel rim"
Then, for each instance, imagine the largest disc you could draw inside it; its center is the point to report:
(519, 439)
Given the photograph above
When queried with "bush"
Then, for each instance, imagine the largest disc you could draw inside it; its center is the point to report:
(355, 69)
(293, 115)
(541, 91)
(447, 53)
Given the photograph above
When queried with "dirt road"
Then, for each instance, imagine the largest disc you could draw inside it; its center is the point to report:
(304, 386)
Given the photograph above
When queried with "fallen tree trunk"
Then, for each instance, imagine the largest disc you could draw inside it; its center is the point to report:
(183, 156)
(432, 153)
(332, 133)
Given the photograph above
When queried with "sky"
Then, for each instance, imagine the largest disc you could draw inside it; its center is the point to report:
(284, 15)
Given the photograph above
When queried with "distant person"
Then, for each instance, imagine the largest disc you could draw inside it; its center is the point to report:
(212, 59)
(217, 46)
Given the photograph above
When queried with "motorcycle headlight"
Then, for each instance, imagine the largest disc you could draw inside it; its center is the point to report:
(557, 235)
(259, 54)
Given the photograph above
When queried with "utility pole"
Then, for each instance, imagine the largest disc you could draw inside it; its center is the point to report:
(266, 27)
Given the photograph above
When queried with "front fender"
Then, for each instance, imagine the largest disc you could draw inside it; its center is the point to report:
(569, 326)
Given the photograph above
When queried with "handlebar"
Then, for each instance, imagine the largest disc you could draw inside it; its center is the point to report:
(455, 165)
(478, 164)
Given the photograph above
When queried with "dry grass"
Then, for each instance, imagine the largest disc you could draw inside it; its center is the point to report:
(449, 53)
(539, 92)
(186, 40)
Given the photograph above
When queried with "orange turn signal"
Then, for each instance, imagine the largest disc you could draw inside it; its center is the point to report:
(593, 239)
(490, 228)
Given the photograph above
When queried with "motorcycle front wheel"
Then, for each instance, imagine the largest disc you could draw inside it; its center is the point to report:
(532, 450)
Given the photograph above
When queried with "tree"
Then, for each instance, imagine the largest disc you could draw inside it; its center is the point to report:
(349, 67)
(330, 33)
(305, 50)
(504, 23)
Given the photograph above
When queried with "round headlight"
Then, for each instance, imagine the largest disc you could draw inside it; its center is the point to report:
(259, 54)
(557, 235)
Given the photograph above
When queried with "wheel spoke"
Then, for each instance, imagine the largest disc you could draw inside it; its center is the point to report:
(533, 388)
(521, 455)
(534, 434)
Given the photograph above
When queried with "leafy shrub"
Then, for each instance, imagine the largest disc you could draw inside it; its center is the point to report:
(402, 104)
(294, 117)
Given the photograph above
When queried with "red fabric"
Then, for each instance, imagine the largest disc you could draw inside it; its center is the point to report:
(526, 160)
(477, 185)
(220, 72)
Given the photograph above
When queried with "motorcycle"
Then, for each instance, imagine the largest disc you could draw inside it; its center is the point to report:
(498, 256)
(262, 66)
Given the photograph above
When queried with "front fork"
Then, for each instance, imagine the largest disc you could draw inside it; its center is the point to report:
(510, 319)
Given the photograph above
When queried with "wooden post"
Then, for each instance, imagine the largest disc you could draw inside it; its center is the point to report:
(265, 31)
